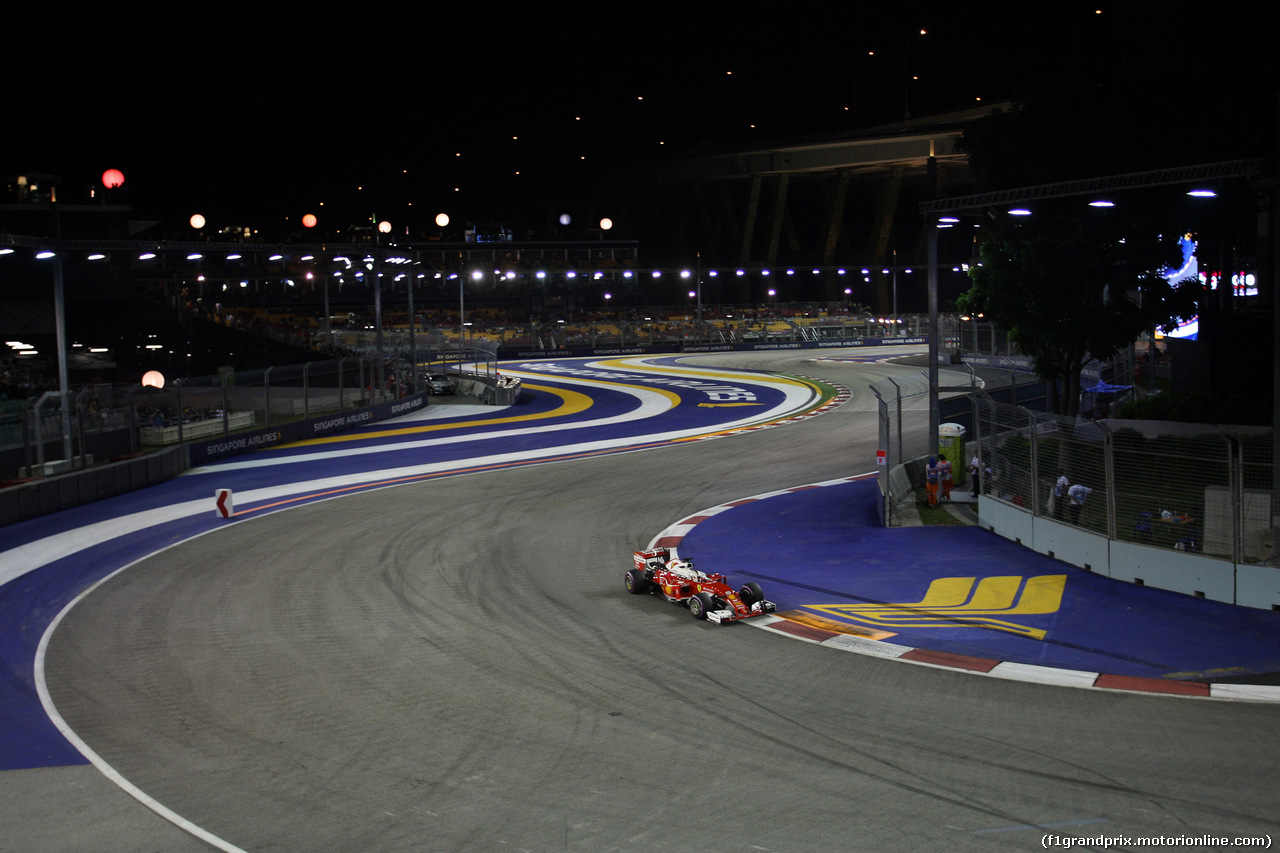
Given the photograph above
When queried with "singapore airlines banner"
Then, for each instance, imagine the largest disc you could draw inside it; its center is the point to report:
(243, 442)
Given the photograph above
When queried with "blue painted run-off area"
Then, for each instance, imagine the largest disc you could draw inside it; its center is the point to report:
(822, 550)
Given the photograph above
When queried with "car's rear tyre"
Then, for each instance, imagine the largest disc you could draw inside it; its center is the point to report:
(700, 604)
(751, 593)
(635, 581)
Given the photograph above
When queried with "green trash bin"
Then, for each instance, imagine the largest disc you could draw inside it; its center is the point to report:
(951, 445)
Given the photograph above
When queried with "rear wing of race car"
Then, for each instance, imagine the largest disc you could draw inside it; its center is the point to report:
(655, 558)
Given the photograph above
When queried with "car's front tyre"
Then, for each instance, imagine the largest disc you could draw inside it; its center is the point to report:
(700, 604)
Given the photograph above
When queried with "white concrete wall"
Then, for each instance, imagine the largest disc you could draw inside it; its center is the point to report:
(1006, 520)
(1258, 584)
(1083, 548)
(1179, 571)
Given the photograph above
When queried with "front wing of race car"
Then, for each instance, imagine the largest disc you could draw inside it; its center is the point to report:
(729, 614)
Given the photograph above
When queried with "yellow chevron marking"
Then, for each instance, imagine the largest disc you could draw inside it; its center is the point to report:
(813, 620)
(964, 602)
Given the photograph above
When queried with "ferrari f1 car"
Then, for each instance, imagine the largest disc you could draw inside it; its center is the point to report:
(708, 597)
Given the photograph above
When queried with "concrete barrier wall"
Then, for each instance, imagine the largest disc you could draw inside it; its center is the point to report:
(52, 494)
(1088, 550)
(41, 497)
(494, 390)
(1179, 571)
(1007, 521)
(1244, 584)
(1258, 583)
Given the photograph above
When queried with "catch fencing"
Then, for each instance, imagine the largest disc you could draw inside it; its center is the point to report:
(1185, 487)
(201, 407)
(44, 436)
(904, 420)
(103, 423)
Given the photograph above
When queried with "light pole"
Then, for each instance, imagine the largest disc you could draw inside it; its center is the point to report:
(892, 271)
(60, 329)
(413, 336)
(462, 314)
(373, 266)
(895, 293)
(111, 179)
(933, 335)
(698, 281)
(932, 169)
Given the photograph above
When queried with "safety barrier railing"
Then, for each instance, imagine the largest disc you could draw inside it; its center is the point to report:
(1186, 487)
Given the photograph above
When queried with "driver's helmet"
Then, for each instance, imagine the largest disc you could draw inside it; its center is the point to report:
(683, 568)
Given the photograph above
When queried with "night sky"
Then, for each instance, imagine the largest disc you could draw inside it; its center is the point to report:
(503, 111)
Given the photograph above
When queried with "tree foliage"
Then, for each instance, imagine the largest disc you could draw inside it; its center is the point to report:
(1069, 284)
(1069, 290)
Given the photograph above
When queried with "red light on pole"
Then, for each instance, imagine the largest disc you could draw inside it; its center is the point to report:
(309, 221)
(112, 178)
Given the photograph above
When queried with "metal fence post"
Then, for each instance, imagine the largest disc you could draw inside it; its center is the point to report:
(226, 406)
(897, 392)
(177, 385)
(977, 441)
(266, 395)
(25, 425)
(882, 474)
(80, 431)
(1235, 480)
(342, 391)
(1034, 446)
(39, 416)
(1109, 469)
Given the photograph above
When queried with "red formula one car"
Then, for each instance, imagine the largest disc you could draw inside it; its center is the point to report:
(709, 596)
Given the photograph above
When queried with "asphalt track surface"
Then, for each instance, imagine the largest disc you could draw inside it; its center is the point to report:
(451, 664)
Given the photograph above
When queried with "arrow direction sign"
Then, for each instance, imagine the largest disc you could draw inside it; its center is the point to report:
(225, 508)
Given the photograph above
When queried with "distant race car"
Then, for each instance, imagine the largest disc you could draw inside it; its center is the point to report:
(709, 597)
